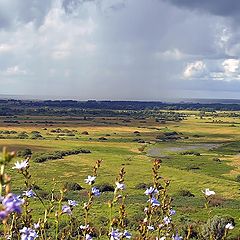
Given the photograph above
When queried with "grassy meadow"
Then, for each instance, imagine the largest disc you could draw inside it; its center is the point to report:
(204, 152)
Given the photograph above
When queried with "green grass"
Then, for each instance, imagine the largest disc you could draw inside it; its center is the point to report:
(193, 173)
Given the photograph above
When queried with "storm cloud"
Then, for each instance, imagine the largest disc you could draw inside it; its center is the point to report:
(121, 49)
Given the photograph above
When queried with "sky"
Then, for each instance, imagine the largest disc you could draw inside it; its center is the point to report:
(120, 49)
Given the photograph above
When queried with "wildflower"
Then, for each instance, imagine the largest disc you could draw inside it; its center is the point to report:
(229, 226)
(36, 225)
(115, 235)
(154, 202)
(28, 234)
(30, 193)
(151, 228)
(151, 191)
(72, 203)
(21, 166)
(96, 192)
(90, 180)
(208, 193)
(120, 186)
(172, 212)
(176, 237)
(127, 235)
(3, 215)
(66, 209)
(83, 227)
(88, 237)
(166, 220)
(12, 203)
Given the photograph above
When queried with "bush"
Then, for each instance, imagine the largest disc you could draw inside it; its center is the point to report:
(185, 193)
(43, 157)
(105, 187)
(72, 186)
(143, 186)
(215, 228)
(238, 178)
(24, 153)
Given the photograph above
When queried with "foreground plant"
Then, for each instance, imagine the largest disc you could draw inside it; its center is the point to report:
(17, 211)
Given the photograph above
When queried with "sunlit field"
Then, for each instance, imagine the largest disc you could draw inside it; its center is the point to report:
(204, 153)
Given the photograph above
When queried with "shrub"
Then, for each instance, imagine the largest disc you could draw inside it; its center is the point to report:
(143, 185)
(72, 186)
(215, 228)
(105, 187)
(24, 153)
(185, 193)
(238, 178)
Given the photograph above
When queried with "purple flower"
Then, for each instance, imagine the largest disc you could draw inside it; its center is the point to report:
(176, 237)
(151, 191)
(72, 203)
(28, 234)
(21, 166)
(151, 228)
(30, 193)
(36, 225)
(172, 212)
(88, 237)
(96, 192)
(115, 235)
(127, 235)
(66, 209)
(12, 203)
(90, 180)
(3, 215)
(154, 202)
(167, 220)
(120, 186)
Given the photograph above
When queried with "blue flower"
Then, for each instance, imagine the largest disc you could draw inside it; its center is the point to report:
(167, 220)
(72, 203)
(3, 214)
(28, 234)
(21, 166)
(120, 186)
(172, 212)
(88, 237)
(66, 209)
(90, 180)
(12, 203)
(127, 235)
(151, 191)
(154, 202)
(115, 235)
(30, 193)
(96, 192)
(176, 237)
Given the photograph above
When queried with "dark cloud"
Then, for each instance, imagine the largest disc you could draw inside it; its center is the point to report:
(225, 8)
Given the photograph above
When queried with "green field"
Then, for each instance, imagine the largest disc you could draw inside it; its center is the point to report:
(200, 153)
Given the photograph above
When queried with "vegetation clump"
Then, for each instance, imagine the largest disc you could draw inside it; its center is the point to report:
(43, 157)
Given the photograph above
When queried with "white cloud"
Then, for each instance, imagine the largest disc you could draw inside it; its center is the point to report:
(4, 48)
(14, 71)
(172, 54)
(195, 69)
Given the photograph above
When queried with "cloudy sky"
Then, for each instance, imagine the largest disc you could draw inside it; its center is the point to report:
(120, 49)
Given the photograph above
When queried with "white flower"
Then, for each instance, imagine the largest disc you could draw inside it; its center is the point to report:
(90, 180)
(208, 193)
(229, 226)
(20, 166)
(120, 186)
